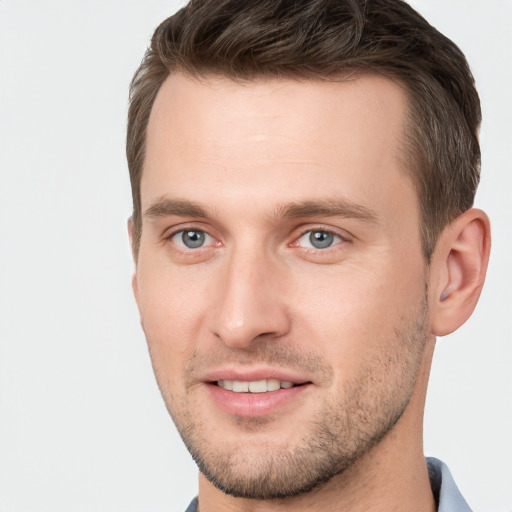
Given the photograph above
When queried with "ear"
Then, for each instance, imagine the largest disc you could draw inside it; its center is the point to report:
(458, 268)
(131, 236)
(134, 277)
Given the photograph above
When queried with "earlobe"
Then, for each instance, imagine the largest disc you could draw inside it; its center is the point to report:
(458, 271)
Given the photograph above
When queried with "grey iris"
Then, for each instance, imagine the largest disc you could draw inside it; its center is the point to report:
(193, 239)
(321, 239)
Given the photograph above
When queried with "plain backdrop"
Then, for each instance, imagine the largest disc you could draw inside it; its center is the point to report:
(82, 424)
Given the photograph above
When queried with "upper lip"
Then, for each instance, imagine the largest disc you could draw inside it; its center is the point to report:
(253, 374)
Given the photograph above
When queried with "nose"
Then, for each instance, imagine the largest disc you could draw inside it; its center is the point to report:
(250, 303)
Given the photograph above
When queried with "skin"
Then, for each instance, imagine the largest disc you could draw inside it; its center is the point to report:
(355, 321)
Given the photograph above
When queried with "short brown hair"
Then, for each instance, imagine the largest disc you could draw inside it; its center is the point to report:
(320, 39)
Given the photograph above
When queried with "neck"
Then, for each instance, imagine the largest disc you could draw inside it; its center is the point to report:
(391, 476)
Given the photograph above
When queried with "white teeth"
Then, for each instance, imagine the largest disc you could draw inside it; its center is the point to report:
(273, 384)
(257, 386)
(228, 384)
(239, 386)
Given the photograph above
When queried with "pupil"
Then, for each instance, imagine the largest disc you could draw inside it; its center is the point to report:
(321, 239)
(193, 239)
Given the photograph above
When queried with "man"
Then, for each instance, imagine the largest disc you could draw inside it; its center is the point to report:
(303, 175)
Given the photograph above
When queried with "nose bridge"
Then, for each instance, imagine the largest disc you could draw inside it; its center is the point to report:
(249, 302)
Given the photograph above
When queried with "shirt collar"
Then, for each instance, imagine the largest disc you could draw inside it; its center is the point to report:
(445, 490)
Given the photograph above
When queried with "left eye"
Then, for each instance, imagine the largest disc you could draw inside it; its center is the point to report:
(319, 239)
(191, 239)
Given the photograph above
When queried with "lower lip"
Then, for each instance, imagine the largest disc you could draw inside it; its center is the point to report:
(254, 405)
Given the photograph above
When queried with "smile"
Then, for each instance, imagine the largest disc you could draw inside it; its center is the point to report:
(255, 386)
(259, 397)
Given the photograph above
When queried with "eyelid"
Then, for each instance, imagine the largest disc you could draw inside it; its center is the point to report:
(170, 231)
(176, 240)
(177, 230)
(342, 234)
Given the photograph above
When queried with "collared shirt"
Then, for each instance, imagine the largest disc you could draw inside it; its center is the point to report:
(445, 490)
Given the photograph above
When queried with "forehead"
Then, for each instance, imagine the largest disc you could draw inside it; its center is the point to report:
(299, 135)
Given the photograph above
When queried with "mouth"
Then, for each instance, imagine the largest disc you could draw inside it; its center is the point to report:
(256, 386)
(257, 397)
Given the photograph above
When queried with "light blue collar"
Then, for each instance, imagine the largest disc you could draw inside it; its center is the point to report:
(444, 488)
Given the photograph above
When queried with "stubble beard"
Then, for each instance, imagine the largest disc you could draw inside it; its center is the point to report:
(340, 434)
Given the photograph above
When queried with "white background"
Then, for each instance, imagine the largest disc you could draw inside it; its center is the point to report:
(82, 424)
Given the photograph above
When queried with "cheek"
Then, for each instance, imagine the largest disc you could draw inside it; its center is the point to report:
(355, 315)
(172, 315)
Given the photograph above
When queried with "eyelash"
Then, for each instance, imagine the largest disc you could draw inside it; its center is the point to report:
(184, 230)
(326, 231)
(338, 239)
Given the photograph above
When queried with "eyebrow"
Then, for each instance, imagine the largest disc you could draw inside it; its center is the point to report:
(166, 207)
(327, 208)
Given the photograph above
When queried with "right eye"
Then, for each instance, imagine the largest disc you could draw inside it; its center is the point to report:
(319, 239)
(191, 239)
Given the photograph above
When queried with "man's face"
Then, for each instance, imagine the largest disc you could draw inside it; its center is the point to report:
(280, 277)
